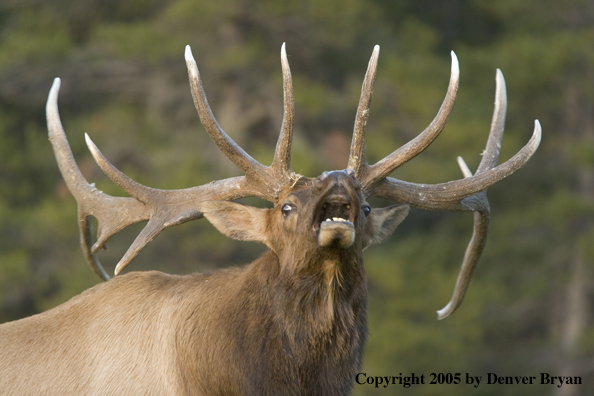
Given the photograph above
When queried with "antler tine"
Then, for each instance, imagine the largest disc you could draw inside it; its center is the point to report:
(493, 147)
(480, 231)
(357, 161)
(135, 189)
(282, 154)
(482, 216)
(410, 150)
(463, 167)
(153, 228)
(91, 202)
(234, 152)
(473, 252)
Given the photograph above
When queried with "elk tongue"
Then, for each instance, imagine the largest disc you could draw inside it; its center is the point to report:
(338, 233)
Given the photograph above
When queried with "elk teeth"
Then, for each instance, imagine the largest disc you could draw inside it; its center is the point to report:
(337, 219)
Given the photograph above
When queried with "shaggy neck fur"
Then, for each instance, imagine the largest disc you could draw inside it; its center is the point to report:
(321, 298)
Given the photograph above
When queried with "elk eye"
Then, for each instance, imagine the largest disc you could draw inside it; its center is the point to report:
(366, 210)
(286, 209)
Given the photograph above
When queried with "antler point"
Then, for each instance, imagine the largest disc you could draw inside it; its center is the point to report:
(284, 59)
(537, 132)
(118, 268)
(91, 145)
(52, 99)
(455, 65)
(188, 54)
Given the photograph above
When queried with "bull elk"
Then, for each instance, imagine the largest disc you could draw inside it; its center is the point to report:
(293, 322)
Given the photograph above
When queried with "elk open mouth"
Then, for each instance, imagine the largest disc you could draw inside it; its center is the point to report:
(334, 222)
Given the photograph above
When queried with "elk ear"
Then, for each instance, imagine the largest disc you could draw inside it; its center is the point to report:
(382, 222)
(237, 221)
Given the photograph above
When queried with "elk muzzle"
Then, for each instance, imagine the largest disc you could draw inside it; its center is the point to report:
(334, 220)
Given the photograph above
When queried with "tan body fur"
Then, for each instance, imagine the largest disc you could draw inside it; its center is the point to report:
(156, 334)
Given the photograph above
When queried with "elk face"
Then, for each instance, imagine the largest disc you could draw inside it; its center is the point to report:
(330, 212)
(324, 214)
(334, 211)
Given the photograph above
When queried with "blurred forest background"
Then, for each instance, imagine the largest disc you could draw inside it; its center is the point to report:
(124, 81)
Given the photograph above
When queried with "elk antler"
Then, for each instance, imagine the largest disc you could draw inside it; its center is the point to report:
(468, 194)
(166, 208)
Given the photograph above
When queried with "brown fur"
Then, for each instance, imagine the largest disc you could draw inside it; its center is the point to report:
(293, 322)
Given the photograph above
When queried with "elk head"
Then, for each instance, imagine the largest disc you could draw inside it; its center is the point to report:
(324, 213)
(327, 215)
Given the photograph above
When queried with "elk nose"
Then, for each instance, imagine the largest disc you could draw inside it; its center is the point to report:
(337, 200)
(338, 203)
